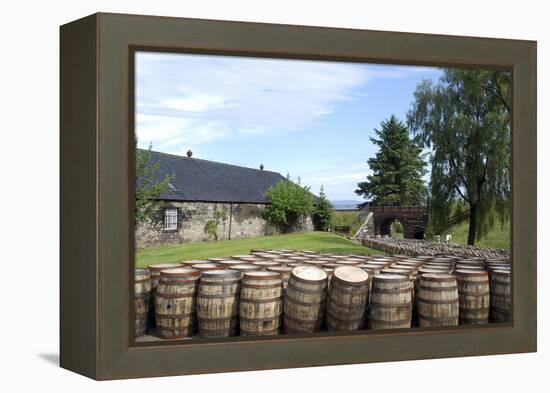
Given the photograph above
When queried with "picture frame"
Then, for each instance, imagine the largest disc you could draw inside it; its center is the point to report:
(96, 240)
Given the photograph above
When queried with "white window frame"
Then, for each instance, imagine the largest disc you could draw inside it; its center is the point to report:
(170, 219)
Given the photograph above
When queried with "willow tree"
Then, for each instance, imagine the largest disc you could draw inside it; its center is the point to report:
(465, 120)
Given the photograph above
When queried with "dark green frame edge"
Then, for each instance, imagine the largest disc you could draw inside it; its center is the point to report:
(96, 156)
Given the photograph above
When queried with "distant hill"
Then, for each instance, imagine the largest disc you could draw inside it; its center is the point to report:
(345, 204)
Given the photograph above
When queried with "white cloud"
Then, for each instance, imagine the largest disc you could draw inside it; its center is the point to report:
(188, 100)
(339, 181)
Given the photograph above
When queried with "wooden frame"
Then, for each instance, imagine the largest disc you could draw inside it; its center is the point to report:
(96, 196)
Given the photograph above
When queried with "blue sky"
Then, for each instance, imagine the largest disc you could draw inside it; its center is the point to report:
(311, 119)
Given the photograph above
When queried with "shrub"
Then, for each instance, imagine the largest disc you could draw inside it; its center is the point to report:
(288, 202)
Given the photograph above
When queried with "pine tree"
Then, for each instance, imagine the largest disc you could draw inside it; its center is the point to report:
(397, 168)
(322, 215)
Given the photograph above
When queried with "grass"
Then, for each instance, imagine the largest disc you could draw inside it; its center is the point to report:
(316, 241)
(347, 218)
(497, 237)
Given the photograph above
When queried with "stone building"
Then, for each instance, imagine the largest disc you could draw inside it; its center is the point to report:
(201, 190)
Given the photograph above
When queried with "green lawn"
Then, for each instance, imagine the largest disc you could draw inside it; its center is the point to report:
(347, 218)
(497, 237)
(316, 241)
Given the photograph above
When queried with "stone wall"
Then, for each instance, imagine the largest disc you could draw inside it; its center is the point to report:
(243, 220)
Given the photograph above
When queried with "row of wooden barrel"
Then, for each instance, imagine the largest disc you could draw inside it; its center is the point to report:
(426, 247)
(389, 292)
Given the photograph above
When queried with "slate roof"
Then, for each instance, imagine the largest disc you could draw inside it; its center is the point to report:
(208, 181)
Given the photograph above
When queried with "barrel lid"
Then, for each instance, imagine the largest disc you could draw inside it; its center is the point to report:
(280, 268)
(245, 267)
(437, 277)
(296, 264)
(299, 258)
(221, 273)
(195, 261)
(393, 270)
(470, 272)
(207, 265)
(218, 259)
(429, 270)
(351, 274)
(379, 263)
(399, 266)
(317, 262)
(180, 272)
(265, 263)
(162, 266)
(280, 260)
(390, 277)
(348, 262)
(262, 275)
(378, 259)
(231, 262)
(309, 273)
(369, 266)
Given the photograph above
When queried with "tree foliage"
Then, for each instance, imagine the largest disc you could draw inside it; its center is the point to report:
(288, 202)
(147, 188)
(322, 215)
(397, 168)
(465, 120)
(211, 226)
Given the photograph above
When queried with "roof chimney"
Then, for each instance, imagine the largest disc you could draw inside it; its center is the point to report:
(189, 154)
(261, 167)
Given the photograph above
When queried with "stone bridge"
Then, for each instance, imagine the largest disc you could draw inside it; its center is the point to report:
(379, 219)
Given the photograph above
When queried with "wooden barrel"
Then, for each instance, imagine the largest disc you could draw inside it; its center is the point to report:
(265, 264)
(176, 303)
(260, 303)
(473, 296)
(329, 271)
(245, 267)
(347, 299)
(305, 300)
(155, 275)
(207, 266)
(500, 295)
(217, 260)
(142, 298)
(244, 257)
(156, 269)
(284, 271)
(218, 303)
(228, 263)
(391, 302)
(437, 301)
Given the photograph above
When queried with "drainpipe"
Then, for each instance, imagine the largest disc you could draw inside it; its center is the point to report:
(230, 219)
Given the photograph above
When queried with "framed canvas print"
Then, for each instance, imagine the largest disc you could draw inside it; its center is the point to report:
(242, 196)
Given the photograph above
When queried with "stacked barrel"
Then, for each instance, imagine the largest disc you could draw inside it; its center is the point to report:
(269, 292)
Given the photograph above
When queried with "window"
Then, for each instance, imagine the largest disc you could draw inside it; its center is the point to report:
(171, 220)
